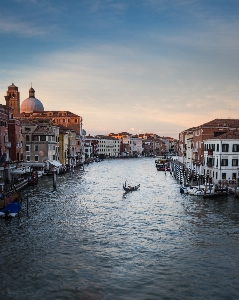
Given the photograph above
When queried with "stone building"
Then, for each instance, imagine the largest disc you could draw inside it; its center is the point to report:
(108, 146)
(40, 141)
(32, 109)
(221, 157)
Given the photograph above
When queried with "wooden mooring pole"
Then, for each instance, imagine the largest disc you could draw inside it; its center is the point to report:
(27, 205)
(54, 179)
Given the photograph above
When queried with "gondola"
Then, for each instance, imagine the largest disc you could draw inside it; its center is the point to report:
(131, 188)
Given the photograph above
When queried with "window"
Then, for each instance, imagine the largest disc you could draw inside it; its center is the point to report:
(27, 148)
(28, 158)
(42, 138)
(36, 147)
(225, 147)
(234, 162)
(235, 148)
(209, 162)
(27, 138)
(224, 162)
(36, 157)
(217, 147)
(224, 176)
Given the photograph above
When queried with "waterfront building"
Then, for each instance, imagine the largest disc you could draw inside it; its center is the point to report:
(153, 146)
(221, 157)
(108, 146)
(67, 146)
(10, 141)
(91, 146)
(63, 144)
(196, 136)
(33, 109)
(71, 153)
(5, 144)
(148, 148)
(15, 140)
(129, 144)
(136, 145)
(40, 141)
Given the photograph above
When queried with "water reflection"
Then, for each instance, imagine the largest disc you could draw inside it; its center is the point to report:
(90, 240)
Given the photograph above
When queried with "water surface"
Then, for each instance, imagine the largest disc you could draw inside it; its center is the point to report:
(89, 240)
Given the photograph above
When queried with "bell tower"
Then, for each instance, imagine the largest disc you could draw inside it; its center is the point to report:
(13, 99)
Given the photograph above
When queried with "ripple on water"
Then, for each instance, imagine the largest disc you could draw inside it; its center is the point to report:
(90, 240)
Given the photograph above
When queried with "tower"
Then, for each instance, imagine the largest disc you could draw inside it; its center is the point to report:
(13, 99)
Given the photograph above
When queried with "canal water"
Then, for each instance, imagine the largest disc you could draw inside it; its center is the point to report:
(88, 240)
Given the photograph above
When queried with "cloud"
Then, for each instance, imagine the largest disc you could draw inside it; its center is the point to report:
(27, 29)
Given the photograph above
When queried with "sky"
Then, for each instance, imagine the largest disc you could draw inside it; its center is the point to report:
(139, 66)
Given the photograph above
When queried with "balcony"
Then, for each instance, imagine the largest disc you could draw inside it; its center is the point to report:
(8, 144)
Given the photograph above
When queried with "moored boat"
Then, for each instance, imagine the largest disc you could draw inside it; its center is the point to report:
(11, 210)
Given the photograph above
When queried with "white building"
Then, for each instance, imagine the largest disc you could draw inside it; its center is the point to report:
(108, 146)
(136, 145)
(221, 156)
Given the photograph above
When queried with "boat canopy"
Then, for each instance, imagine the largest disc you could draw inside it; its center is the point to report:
(55, 163)
(19, 171)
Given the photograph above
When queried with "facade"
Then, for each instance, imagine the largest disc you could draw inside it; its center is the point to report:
(91, 146)
(108, 146)
(40, 141)
(13, 99)
(63, 145)
(136, 145)
(71, 151)
(221, 157)
(5, 144)
(201, 133)
(129, 144)
(15, 138)
(32, 109)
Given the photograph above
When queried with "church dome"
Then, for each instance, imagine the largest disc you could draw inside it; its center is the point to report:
(31, 104)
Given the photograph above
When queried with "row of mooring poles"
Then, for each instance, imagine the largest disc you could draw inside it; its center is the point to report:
(72, 171)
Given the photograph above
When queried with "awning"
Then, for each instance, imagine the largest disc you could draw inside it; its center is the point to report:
(18, 171)
(55, 163)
